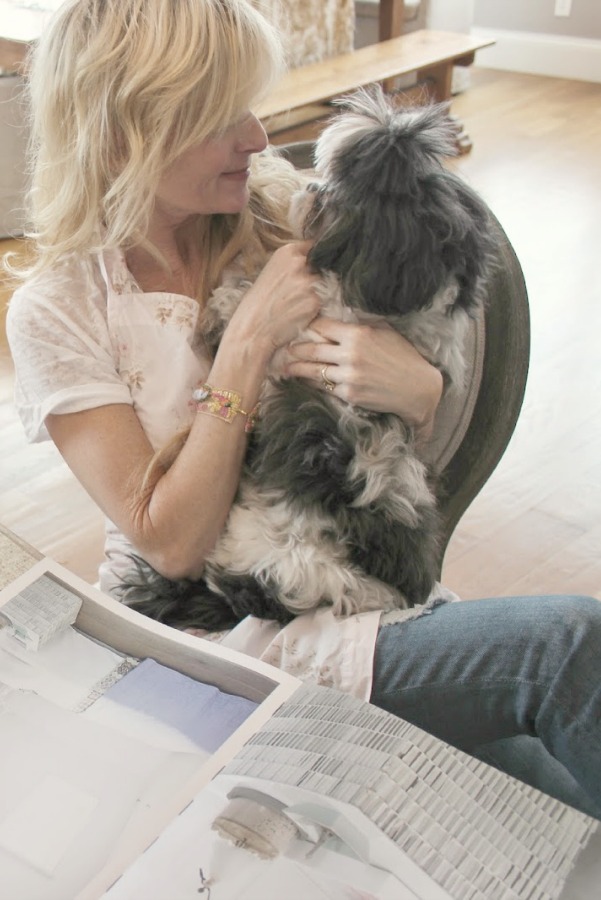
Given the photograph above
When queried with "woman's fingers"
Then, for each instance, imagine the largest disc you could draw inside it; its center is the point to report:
(372, 366)
(325, 379)
(282, 301)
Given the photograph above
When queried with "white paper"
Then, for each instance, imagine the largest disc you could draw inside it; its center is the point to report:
(69, 790)
(42, 827)
(120, 780)
(170, 868)
(66, 670)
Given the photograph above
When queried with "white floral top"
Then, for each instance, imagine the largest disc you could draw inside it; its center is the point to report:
(87, 336)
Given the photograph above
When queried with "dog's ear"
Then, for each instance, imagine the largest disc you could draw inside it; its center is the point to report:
(313, 223)
(469, 247)
(339, 239)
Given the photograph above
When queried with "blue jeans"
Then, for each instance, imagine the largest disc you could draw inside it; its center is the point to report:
(515, 681)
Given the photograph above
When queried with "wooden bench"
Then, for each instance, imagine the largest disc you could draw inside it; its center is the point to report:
(302, 94)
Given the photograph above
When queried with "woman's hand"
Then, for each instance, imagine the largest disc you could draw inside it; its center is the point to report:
(281, 302)
(372, 366)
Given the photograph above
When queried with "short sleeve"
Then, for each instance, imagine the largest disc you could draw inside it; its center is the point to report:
(60, 344)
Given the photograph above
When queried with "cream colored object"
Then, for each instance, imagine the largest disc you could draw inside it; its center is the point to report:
(265, 832)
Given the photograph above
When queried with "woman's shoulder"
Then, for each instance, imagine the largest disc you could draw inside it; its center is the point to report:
(67, 277)
(71, 290)
(64, 307)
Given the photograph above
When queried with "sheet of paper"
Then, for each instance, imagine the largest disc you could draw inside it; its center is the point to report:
(172, 866)
(78, 785)
(69, 670)
(203, 714)
(42, 826)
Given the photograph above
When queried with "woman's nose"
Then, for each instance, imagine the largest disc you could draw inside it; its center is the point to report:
(252, 137)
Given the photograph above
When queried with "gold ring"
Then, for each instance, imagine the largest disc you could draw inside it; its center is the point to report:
(329, 385)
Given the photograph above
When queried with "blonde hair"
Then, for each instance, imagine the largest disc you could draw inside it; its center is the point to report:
(118, 89)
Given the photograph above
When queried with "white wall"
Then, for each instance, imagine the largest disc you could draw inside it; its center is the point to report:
(538, 16)
(450, 15)
(531, 38)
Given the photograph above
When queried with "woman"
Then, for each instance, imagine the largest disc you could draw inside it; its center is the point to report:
(149, 187)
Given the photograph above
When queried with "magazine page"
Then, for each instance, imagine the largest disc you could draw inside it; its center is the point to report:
(191, 855)
(131, 768)
(110, 724)
(336, 790)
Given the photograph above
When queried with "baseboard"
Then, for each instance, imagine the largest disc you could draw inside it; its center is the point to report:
(541, 54)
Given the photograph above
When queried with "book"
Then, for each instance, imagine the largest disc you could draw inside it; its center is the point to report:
(138, 761)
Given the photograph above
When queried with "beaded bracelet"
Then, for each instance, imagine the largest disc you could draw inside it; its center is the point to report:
(223, 405)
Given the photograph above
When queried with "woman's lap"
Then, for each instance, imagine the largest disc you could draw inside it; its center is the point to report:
(479, 672)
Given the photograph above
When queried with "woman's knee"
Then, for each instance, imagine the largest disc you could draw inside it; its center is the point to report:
(573, 621)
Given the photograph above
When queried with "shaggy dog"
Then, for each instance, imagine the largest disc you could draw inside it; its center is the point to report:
(334, 506)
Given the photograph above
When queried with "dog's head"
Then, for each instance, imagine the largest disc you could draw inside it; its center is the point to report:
(386, 216)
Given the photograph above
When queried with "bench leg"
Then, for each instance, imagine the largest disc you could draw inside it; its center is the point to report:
(437, 80)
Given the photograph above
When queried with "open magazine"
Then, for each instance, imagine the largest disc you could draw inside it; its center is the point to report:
(139, 762)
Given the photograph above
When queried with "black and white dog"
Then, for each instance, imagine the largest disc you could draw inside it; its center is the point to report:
(334, 506)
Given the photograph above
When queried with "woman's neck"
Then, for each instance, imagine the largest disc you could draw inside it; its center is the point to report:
(180, 276)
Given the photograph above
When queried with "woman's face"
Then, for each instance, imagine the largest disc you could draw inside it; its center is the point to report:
(211, 177)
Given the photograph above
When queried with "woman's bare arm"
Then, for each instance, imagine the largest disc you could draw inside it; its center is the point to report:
(175, 523)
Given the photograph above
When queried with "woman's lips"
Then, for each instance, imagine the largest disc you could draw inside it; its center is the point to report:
(237, 174)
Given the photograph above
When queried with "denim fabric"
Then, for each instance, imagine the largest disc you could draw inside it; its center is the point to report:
(477, 673)
(527, 759)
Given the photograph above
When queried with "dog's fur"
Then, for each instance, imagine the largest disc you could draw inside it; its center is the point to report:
(334, 506)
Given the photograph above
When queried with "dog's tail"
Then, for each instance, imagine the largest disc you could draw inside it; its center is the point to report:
(182, 604)
(188, 603)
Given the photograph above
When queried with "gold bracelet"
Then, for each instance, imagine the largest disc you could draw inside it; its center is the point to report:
(224, 405)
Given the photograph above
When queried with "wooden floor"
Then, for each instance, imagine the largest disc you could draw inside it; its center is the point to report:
(536, 526)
